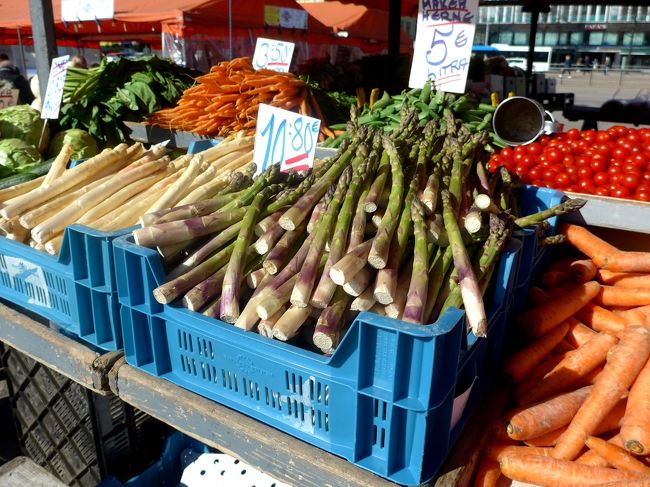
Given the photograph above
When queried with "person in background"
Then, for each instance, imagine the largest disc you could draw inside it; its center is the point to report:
(608, 64)
(78, 62)
(10, 78)
(567, 66)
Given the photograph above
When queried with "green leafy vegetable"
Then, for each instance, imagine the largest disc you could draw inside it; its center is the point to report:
(100, 99)
(84, 144)
(24, 123)
(17, 156)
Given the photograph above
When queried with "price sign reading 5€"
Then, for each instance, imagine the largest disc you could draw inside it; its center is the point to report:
(275, 55)
(285, 137)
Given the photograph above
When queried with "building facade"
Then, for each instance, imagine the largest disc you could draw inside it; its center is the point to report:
(619, 34)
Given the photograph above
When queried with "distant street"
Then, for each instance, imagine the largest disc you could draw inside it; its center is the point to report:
(594, 89)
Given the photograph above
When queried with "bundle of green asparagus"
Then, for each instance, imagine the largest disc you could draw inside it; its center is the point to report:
(405, 224)
(429, 104)
(114, 189)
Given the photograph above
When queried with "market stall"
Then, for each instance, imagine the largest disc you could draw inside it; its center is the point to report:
(360, 301)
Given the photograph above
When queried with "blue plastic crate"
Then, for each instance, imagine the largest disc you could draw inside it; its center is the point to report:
(76, 290)
(383, 400)
(533, 256)
(178, 452)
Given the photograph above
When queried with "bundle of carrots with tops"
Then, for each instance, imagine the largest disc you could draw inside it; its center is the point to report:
(582, 384)
(226, 100)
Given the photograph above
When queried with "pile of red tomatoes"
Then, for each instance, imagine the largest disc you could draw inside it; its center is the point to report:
(613, 162)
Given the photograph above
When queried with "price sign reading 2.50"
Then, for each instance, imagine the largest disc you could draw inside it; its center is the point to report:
(285, 137)
(271, 54)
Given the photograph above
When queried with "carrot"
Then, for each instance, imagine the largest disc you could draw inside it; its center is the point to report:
(522, 362)
(622, 296)
(578, 333)
(487, 474)
(619, 483)
(624, 279)
(548, 439)
(547, 416)
(624, 362)
(541, 319)
(635, 429)
(616, 455)
(586, 242)
(537, 296)
(562, 347)
(536, 374)
(552, 472)
(582, 270)
(555, 278)
(575, 365)
(600, 319)
(497, 451)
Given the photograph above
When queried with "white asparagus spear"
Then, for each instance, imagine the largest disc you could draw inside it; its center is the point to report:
(20, 189)
(54, 245)
(171, 196)
(45, 230)
(290, 322)
(122, 196)
(51, 207)
(82, 172)
(60, 163)
(208, 190)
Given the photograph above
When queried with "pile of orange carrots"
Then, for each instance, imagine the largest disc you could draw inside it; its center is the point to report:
(581, 386)
(226, 99)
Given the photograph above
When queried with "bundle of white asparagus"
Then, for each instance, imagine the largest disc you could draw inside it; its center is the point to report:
(114, 189)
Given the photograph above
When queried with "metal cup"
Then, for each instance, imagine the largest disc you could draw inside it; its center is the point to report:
(519, 121)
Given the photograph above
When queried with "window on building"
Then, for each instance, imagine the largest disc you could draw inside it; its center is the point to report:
(520, 38)
(611, 38)
(595, 38)
(639, 39)
(551, 38)
(505, 37)
(539, 39)
(576, 38)
(564, 38)
(615, 13)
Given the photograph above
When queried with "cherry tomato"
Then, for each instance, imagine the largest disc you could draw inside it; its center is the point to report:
(633, 137)
(619, 191)
(534, 149)
(644, 134)
(589, 136)
(549, 174)
(598, 163)
(521, 149)
(602, 136)
(569, 160)
(620, 153)
(642, 195)
(506, 153)
(528, 161)
(518, 157)
(631, 180)
(639, 159)
(586, 186)
(521, 171)
(573, 174)
(585, 172)
(544, 139)
(554, 156)
(573, 134)
(601, 178)
(535, 173)
(582, 161)
(602, 191)
(562, 181)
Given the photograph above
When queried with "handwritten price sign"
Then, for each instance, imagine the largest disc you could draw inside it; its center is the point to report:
(285, 137)
(275, 55)
(443, 44)
(80, 10)
(54, 91)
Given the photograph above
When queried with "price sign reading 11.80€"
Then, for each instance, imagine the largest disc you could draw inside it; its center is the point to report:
(285, 137)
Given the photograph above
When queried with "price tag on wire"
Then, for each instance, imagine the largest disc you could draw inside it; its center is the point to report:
(271, 54)
(443, 44)
(285, 137)
(54, 91)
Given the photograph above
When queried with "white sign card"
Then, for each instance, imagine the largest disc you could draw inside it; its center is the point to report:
(285, 137)
(443, 44)
(272, 54)
(8, 98)
(81, 10)
(293, 18)
(54, 91)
